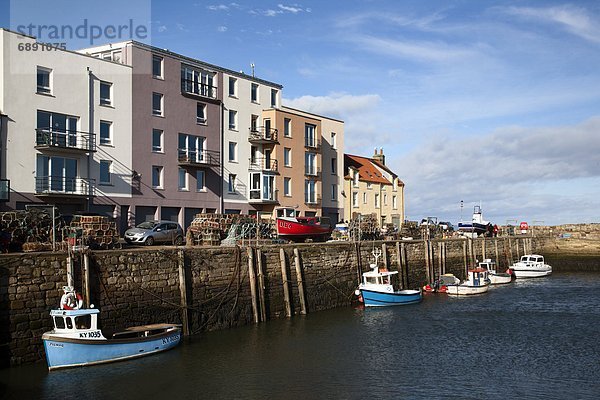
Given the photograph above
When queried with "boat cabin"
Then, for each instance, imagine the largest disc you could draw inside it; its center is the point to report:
(286, 212)
(478, 276)
(488, 264)
(532, 259)
(378, 277)
(78, 324)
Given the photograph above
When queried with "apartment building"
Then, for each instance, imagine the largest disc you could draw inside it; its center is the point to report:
(330, 162)
(372, 188)
(250, 165)
(65, 128)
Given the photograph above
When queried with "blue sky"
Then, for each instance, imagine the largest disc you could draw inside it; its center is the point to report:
(495, 102)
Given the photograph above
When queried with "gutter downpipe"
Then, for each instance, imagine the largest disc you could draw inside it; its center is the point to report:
(91, 133)
(221, 169)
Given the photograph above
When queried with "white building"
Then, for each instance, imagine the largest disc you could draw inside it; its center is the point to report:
(66, 127)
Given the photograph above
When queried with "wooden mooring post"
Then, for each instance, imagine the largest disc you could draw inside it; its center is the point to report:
(252, 278)
(70, 281)
(86, 278)
(465, 259)
(496, 248)
(286, 286)
(301, 293)
(384, 253)
(261, 285)
(183, 293)
(427, 262)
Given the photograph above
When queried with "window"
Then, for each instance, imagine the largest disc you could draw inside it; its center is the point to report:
(309, 136)
(200, 113)
(233, 120)
(58, 174)
(254, 93)
(105, 170)
(254, 123)
(200, 186)
(310, 195)
(333, 192)
(273, 98)
(334, 166)
(57, 130)
(369, 185)
(287, 157)
(376, 200)
(105, 132)
(232, 183)
(157, 140)
(198, 82)
(157, 104)
(157, 177)
(43, 80)
(310, 163)
(394, 202)
(191, 148)
(364, 198)
(232, 87)
(385, 199)
(233, 151)
(354, 199)
(157, 66)
(287, 186)
(183, 179)
(105, 93)
(333, 140)
(287, 127)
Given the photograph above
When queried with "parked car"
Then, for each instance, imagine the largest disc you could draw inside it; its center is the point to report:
(151, 232)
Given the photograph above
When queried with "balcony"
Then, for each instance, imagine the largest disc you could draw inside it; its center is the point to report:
(263, 164)
(202, 158)
(263, 135)
(312, 143)
(197, 89)
(264, 196)
(312, 199)
(312, 172)
(61, 186)
(67, 141)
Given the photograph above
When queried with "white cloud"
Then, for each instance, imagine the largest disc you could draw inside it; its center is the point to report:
(222, 28)
(162, 28)
(218, 7)
(576, 20)
(336, 105)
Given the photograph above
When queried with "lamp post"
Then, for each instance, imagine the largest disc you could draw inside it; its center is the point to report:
(461, 209)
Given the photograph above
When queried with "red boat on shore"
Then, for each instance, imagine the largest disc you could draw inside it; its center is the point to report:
(297, 229)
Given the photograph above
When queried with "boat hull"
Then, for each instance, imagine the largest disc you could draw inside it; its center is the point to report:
(500, 279)
(466, 290)
(66, 352)
(472, 227)
(373, 298)
(531, 273)
(287, 228)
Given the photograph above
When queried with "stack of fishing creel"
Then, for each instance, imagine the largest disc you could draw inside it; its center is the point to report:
(364, 227)
(209, 229)
(29, 230)
(95, 231)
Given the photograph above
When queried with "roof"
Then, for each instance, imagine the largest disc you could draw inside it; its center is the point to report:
(389, 171)
(367, 170)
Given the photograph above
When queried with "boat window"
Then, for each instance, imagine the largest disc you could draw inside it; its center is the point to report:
(59, 322)
(69, 323)
(83, 322)
(372, 280)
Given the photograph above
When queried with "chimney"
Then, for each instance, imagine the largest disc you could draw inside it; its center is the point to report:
(379, 156)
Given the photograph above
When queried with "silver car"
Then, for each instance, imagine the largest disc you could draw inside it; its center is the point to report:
(151, 232)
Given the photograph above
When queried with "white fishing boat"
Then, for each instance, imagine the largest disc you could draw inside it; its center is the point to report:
(477, 282)
(496, 278)
(531, 266)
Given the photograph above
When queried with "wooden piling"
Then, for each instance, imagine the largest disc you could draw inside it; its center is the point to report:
(86, 278)
(427, 261)
(300, 282)
(183, 293)
(497, 259)
(70, 281)
(286, 287)
(400, 265)
(405, 262)
(261, 286)
(483, 250)
(440, 258)
(385, 256)
(466, 262)
(252, 278)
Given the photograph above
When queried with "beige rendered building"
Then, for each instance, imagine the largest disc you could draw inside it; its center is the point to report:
(370, 187)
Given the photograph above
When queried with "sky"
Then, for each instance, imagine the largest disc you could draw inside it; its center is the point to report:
(491, 103)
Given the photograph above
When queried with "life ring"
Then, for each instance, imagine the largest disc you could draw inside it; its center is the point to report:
(389, 289)
(71, 301)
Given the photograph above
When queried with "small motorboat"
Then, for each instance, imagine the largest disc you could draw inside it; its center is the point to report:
(477, 283)
(496, 278)
(377, 289)
(297, 229)
(531, 266)
(477, 226)
(441, 284)
(76, 340)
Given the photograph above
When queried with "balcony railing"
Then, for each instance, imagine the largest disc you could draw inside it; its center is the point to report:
(196, 88)
(263, 164)
(312, 143)
(312, 172)
(202, 158)
(61, 185)
(263, 135)
(312, 199)
(67, 140)
(262, 196)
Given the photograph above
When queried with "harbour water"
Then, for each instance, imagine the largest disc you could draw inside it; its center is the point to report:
(532, 339)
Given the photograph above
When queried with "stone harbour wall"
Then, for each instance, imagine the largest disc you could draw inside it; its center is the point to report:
(209, 288)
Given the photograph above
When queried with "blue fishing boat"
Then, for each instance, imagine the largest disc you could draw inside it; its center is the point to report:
(477, 226)
(377, 289)
(76, 340)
